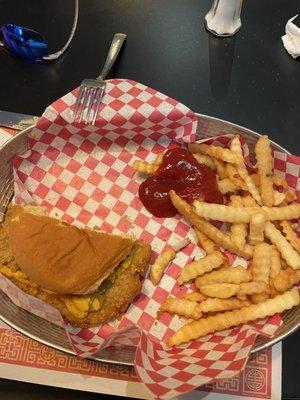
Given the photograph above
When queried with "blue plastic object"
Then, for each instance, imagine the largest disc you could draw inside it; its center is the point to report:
(24, 42)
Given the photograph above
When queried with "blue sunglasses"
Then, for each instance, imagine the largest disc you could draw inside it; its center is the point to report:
(31, 45)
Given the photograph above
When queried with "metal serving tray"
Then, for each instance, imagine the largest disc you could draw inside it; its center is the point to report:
(51, 335)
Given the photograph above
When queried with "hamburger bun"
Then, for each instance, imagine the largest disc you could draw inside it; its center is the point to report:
(63, 258)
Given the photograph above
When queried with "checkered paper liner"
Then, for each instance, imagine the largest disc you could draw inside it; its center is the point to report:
(84, 175)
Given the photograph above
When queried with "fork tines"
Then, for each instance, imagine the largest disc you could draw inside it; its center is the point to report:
(88, 101)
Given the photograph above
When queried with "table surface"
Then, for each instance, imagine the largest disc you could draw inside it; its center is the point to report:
(248, 79)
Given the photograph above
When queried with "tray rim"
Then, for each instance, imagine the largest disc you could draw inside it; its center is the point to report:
(116, 362)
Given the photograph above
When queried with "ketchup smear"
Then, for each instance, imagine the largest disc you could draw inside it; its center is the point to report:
(181, 172)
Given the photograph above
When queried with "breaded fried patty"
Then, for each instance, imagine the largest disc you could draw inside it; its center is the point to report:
(108, 302)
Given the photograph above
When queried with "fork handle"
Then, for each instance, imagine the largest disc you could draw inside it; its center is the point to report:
(114, 50)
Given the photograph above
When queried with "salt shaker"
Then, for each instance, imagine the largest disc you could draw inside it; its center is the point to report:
(223, 19)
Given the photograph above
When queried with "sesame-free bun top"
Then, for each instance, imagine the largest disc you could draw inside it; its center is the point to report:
(63, 258)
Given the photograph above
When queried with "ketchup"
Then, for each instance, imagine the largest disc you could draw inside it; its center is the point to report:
(181, 172)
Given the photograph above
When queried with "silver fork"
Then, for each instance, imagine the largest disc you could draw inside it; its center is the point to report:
(92, 90)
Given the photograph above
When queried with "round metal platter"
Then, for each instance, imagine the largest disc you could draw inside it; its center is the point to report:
(54, 336)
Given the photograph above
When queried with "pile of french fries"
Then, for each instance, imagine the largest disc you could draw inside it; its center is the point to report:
(260, 221)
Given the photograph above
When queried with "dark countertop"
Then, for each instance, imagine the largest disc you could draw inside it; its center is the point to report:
(249, 79)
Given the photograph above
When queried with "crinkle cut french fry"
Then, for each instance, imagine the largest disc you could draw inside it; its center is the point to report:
(255, 179)
(217, 152)
(284, 203)
(248, 201)
(292, 211)
(160, 265)
(275, 263)
(195, 296)
(235, 275)
(224, 213)
(267, 190)
(286, 279)
(279, 181)
(222, 154)
(242, 297)
(181, 244)
(236, 148)
(295, 225)
(164, 259)
(206, 160)
(236, 201)
(273, 291)
(200, 267)
(219, 290)
(264, 158)
(234, 176)
(205, 326)
(238, 231)
(248, 249)
(226, 290)
(217, 305)
(290, 195)
(264, 164)
(261, 264)
(195, 148)
(257, 228)
(279, 197)
(249, 288)
(226, 186)
(183, 307)
(289, 254)
(207, 245)
(220, 167)
(213, 233)
(290, 235)
(145, 167)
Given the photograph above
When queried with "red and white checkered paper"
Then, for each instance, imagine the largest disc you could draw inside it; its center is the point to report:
(84, 175)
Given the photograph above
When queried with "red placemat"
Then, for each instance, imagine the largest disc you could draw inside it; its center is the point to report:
(24, 359)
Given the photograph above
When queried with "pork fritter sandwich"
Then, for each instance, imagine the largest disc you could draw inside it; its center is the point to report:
(90, 276)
